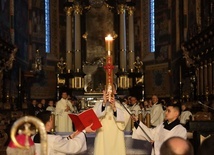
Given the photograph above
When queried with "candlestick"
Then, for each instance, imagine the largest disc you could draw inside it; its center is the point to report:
(180, 74)
(109, 41)
(20, 76)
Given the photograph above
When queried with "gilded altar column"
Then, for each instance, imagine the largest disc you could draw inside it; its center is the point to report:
(77, 42)
(131, 54)
(212, 76)
(30, 28)
(209, 72)
(198, 14)
(201, 77)
(12, 33)
(205, 77)
(122, 80)
(177, 14)
(185, 14)
(197, 73)
(122, 13)
(68, 11)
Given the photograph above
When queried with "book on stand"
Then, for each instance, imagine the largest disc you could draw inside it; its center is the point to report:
(84, 119)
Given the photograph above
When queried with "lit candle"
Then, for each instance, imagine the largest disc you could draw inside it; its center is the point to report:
(109, 40)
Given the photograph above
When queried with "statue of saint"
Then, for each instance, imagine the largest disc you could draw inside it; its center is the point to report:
(138, 64)
(61, 65)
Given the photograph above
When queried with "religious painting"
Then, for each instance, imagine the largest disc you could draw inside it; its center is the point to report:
(192, 26)
(157, 80)
(162, 33)
(99, 23)
(45, 87)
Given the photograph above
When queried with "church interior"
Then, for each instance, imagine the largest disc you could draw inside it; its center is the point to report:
(161, 48)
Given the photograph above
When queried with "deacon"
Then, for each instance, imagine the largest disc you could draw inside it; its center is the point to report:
(109, 138)
(169, 128)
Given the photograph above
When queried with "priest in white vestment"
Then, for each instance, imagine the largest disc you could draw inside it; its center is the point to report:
(157, 112)
(63, 108)
(169, 128)
(110, 139)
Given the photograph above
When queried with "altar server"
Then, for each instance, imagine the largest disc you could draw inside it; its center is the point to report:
(58, 145)
(169, 128)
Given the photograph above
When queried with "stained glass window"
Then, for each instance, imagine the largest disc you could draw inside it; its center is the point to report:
(47, 26)
(152, 25)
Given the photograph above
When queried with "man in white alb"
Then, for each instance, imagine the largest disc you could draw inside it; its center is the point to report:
(63, 108)
(157, 112)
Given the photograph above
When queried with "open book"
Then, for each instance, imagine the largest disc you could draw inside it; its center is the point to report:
(84, 119)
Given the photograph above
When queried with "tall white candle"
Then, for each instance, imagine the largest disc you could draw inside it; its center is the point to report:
(109, 41)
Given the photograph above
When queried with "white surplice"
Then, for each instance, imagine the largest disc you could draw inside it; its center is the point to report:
(110, 139)
(158, 135)
(185, 116)
(58, 145)
(157, 114)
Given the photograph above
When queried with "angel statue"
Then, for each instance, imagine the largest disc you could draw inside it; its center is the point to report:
(138, 64)
(61, 65)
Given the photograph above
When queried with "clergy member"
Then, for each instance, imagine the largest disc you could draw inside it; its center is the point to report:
(169, 128)
(63, 108)
(109, 138)
(23, 140)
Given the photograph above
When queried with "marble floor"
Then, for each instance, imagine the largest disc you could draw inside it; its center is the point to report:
(133, 147)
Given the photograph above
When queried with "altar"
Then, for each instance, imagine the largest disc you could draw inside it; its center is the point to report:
(133, 147)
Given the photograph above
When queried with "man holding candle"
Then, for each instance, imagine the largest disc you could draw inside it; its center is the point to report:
(110, 138)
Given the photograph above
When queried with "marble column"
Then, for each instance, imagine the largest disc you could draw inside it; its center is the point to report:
(68, 38)
(122, 13)
(131, 54)
(77, 36)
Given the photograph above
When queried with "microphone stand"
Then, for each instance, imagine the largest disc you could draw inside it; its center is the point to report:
(138, 124)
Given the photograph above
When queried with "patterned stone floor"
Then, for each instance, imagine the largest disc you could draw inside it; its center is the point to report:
(133, 147)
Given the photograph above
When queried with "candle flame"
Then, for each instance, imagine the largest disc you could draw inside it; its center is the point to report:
(109, 38)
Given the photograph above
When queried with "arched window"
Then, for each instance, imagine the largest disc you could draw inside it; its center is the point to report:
(47, 26)
(152, 25)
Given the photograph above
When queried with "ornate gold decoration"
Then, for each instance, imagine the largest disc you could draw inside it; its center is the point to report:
(138, 64)
(121, 9)
(130, 10)
(68, 10)
(78, 9)
(85, 35)
(61, 65)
